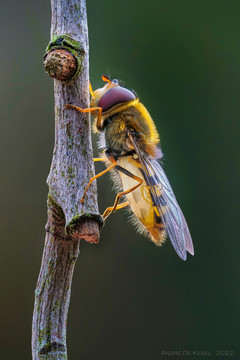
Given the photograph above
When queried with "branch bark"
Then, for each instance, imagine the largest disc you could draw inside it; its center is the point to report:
(72, 166)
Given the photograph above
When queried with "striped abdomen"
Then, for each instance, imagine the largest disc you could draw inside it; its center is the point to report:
(140, 201)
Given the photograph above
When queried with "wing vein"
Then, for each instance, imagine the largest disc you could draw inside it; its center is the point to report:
(165, 201)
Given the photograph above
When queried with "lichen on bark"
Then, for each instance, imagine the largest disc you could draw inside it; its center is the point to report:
(68, 219)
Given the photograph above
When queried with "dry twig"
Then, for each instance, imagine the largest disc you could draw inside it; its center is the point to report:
(72, 167)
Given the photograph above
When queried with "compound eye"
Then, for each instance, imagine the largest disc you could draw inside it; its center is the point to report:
(114, 96)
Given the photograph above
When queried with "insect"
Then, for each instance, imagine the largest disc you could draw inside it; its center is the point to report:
(131, 151)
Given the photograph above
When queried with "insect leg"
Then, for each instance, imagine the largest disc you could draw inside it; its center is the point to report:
(99, 109)
(110, 209)
(115, 207)
(97, 176)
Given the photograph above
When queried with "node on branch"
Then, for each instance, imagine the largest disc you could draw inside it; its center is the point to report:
(63, 58)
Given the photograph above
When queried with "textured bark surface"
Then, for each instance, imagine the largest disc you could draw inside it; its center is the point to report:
(68, 219)
(53, 289)
(72, 164)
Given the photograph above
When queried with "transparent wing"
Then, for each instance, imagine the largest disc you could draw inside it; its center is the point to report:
(172, 215)
(166, 203)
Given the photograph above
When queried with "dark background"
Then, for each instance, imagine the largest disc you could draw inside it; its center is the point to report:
(130, 300)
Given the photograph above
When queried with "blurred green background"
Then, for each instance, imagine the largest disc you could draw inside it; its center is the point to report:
(130, 300)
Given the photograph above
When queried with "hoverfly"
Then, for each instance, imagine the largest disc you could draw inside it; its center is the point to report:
(130, 139)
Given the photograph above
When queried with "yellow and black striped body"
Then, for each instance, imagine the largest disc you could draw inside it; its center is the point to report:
(147, 220)
(117, 144)
(129, 140)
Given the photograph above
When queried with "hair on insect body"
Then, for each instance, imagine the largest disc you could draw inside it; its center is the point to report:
(132, 153)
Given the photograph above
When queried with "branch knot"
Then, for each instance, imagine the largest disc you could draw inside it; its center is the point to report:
(63, 58)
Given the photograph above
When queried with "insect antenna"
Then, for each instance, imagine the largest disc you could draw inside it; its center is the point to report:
(105, 78)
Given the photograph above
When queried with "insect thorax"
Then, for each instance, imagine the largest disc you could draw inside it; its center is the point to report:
(116, 130)
(116, 127)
